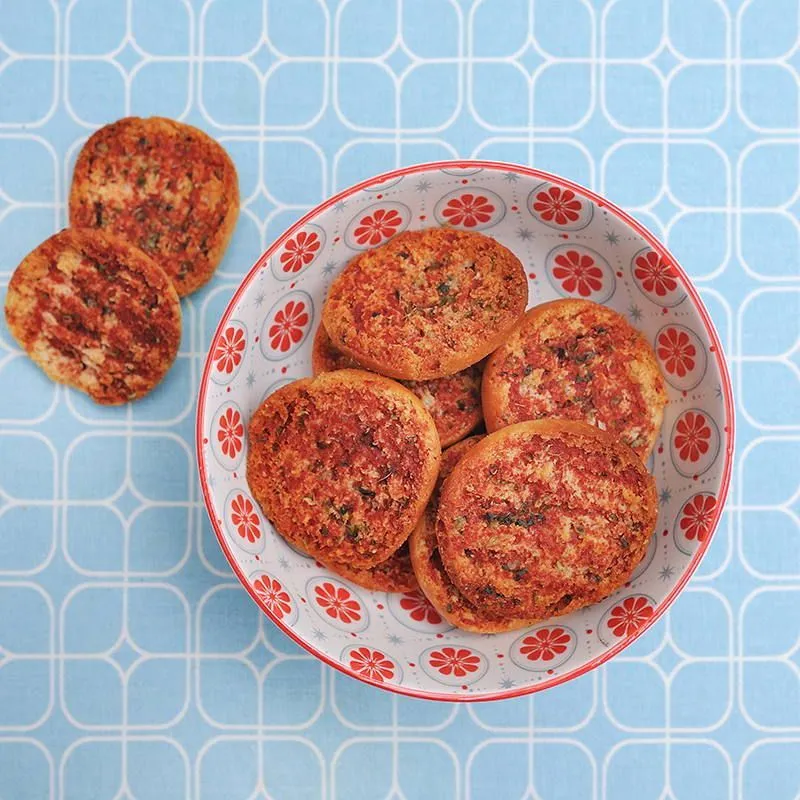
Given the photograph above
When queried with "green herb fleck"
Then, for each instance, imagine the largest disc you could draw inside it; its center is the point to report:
(444, 293)
(510, 518)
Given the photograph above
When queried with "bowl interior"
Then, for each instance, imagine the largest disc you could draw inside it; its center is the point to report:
(572, 243)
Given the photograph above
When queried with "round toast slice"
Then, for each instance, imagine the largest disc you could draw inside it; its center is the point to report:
(454, 401)
(393, 575)
(343, 465)
(578, 360)
(427, 303)
(431, 574)
(326, 357)
(166, 187)
(542, 518)
(95, 313)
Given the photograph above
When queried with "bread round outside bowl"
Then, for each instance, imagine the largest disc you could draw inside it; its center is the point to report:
(95, 313)
(166, 187)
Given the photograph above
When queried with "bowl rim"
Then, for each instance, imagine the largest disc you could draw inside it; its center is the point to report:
(727, 396)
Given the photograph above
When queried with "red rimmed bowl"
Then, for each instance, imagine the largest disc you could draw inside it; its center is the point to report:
(573, 243)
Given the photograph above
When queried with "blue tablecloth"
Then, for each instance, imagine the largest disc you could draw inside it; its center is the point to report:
(132, 665)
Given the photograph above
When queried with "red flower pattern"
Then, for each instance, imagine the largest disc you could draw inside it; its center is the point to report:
(229, 349)
(273, 595)
(245, 519)
(557, 205)
(454, 661)
(287, 329)
(692, 436)
(230, 433)
(676, 351)
(338, 603)
(468, 210)
(374, 228)
(630, 615)
(545, 644)
(300, 251)
(696, 517)
(655, 274)
(419, 608)
(371, 664)
(578, 272)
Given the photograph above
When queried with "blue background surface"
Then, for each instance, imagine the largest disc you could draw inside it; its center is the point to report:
(132, 665)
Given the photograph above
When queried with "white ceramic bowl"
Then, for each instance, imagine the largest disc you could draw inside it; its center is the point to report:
(572, 243)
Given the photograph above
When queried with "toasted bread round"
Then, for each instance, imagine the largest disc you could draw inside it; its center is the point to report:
(427, 303)
(343, 465)
(542, 518)
(95, 313)
(574, 359)
(431, 574)
(166, 187)
(326, 357)
(454, 401)
(393, 575)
